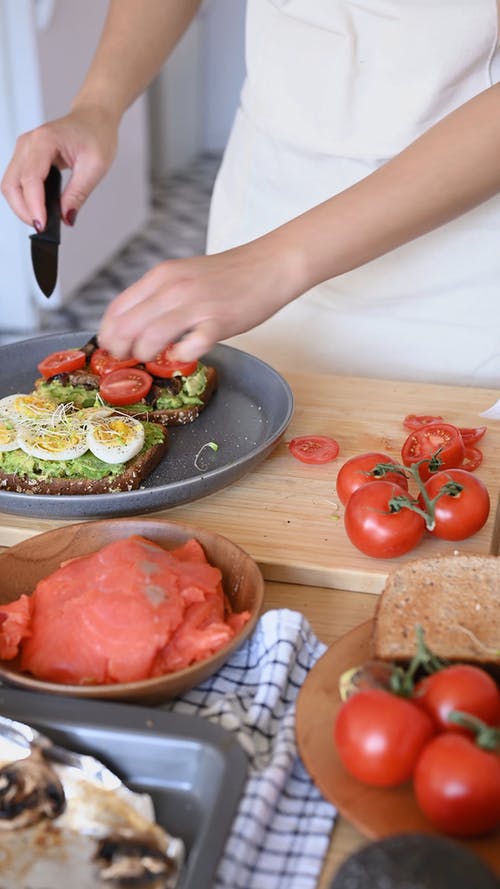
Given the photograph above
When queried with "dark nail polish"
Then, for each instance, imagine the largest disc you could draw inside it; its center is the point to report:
(37, 226)
(71, 217)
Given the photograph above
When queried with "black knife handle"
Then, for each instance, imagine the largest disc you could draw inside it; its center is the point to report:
(52, 185)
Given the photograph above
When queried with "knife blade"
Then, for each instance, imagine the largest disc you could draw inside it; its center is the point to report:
(45, 245)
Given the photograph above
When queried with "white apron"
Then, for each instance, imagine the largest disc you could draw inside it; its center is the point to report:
(334, 89)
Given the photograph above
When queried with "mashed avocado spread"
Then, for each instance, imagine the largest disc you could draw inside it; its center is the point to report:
(87, 466)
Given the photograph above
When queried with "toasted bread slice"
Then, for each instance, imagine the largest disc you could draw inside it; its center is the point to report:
(136, 471)
(456, 600)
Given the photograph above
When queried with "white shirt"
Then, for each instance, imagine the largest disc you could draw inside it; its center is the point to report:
(334, 89)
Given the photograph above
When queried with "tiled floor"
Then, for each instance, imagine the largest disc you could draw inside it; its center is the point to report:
(177, 228)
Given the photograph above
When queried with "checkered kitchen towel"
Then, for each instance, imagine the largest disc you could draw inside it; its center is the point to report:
(282, 828)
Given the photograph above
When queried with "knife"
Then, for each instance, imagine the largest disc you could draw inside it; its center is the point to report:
(45, 245)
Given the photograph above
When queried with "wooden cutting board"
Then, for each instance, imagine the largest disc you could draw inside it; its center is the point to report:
(286, 514)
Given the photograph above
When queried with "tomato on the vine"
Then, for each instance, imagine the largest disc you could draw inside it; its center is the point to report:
(463, 509)
(378, 525)
(463, 687)
(423, 443)
(379, 737)
(359, 470)
(457, 785)
(314, 448)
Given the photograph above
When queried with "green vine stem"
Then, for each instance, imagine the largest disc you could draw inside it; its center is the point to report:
(402, 681)
(486, 736)
(403, 501)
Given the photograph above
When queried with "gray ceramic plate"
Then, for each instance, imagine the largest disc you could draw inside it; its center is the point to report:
(246, 417)
(194, 771)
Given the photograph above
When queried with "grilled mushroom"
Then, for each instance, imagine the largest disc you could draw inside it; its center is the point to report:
(134, 859)
(29, 790)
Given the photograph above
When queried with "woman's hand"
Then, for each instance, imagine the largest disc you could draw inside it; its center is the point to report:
(84, 141)
(201, 300)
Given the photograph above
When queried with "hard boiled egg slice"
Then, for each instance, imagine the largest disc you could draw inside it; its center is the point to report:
(22, 406)
(8, 435)
(115, 439)
(59, 440)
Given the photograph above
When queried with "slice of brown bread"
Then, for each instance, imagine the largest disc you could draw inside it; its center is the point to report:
(136, 471)
(455, 598)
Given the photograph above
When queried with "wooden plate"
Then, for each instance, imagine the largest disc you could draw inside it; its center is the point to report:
(373, 811)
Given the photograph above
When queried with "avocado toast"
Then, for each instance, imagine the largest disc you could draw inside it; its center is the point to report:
(163, 390)
(62, 450)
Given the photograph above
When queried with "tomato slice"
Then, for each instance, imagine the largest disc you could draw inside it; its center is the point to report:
(428, 440)
(473, 457)
(165, 365)
(125, 385)
(314, 448)
(62, 362)
(416, 421)
(473, 434)
(102, 362)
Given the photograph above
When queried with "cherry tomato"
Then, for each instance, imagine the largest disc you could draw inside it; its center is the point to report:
(314, 448)
(379, 737)
(457, 785)
(473, 457)
(461, 512)
(472, 435)
(102, 362)
(125, 385)
(463, 687)
(416, 421)
(62, 362)
(424, 442)
(375, 525)
(357, 471)
(165, 365)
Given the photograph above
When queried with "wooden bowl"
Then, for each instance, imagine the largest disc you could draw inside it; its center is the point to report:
(23, 565)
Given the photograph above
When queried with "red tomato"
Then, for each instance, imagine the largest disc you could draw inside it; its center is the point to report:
(379, 737)
(165, 366)
(62, 362)
(125, 385)
(472, 435)
(314, 448)
(357, 471)
(416, 421)
(102, 362)
(461, 512)
(461, 687)
(473, 457)
(457, 785)
(376, 526)
(424, 442)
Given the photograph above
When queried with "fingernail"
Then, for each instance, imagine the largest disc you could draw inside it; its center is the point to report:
(70, 217)
(37, 225)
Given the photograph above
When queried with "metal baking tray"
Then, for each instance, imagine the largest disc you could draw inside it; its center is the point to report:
(193, 770)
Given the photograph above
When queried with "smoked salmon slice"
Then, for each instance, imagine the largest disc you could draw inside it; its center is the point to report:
(125, 613)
